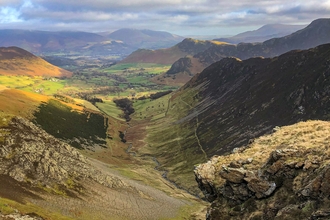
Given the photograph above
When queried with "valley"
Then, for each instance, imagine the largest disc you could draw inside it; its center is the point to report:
(203, 129)
(65, 108)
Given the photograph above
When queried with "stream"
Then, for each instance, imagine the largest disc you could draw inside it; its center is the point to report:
(158, 166)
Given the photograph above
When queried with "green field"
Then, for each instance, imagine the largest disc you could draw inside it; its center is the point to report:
(46, 86)
(110, 108)
(150, 68)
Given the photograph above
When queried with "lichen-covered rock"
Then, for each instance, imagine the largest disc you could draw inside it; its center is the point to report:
(292, 182)
(232, 174)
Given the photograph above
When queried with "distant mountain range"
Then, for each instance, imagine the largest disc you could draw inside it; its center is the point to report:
(16, 61)
(262, 34)
(67, 43)
(188, 46)
(146, 39)
(315, 34)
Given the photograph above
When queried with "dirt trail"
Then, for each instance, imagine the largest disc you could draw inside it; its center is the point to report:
(196, 128)
(149, 203)
(136, 201)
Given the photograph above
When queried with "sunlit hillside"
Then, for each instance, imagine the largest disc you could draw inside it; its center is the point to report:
(16, 61)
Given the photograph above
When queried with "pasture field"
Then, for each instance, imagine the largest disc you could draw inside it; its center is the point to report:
(37, 84)
(110, 108)
(150, 68)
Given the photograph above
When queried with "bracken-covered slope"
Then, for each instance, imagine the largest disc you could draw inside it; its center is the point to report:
(315, 34)
(233, 101)
(16, 61)
(285, 175)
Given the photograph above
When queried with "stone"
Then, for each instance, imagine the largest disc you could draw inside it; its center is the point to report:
(233, 175)
(29, 153)
(275, 167)
(260, 187)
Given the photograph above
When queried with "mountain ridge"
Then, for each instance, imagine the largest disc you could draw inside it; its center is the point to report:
(314, 34)
(146, 39)
(234, 101)
(17, 61)
(79, 43)
(263, 33)
(187, 47)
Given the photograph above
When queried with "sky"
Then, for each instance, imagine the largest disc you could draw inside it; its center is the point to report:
(182, 17)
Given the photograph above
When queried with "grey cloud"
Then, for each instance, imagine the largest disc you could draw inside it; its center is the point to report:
(171, 15)
(10, 2)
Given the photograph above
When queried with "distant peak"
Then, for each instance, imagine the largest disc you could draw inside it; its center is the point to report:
(320, 21)
(12, 52)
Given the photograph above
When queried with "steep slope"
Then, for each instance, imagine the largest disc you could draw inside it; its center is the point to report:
(147, 39)
(262, 34)
(233, 101)
(39, 171)
(188, 46)
(16, 61)
(284, 175)
(315, 34)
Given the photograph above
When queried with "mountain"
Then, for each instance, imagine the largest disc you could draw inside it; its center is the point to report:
(64, 43)
(315, 34)
(46, 41)
(262, 34)
(187, 47)
(234, 101)
(16, 61)
(77, 43)
(284, 175)
(146, 39)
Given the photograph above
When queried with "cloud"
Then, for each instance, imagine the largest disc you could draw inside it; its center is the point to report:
(180, 16)
(10, 2)
(9, 15)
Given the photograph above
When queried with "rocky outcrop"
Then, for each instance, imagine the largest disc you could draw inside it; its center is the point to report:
(292, 182)
(182, 65)
(29, 154)
(18, 216)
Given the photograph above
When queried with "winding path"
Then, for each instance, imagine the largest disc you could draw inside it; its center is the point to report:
(196, 127)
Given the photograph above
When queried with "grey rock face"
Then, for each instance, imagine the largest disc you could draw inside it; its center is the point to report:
(29, 154)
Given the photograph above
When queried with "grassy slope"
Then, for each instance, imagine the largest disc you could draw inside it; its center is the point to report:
(33, 84)
(226, 105)
(167, 136)
(16, 61)
(16, 102)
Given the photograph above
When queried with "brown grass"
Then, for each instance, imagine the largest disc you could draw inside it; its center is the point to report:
(16, 61)
(22, 103)
(35, 67)
(309, 136)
